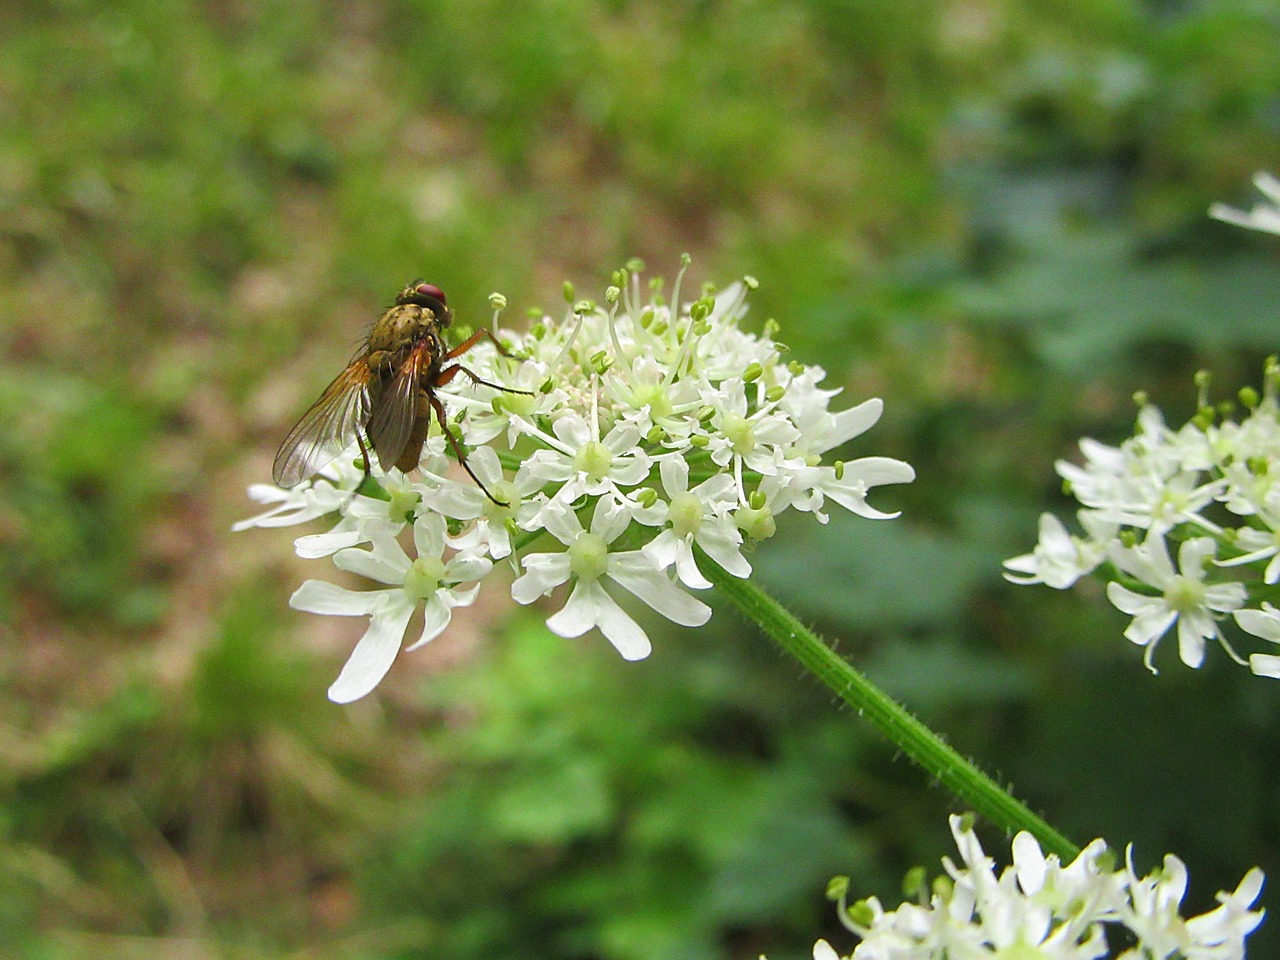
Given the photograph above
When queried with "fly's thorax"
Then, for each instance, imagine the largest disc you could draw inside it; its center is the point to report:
(397, 330)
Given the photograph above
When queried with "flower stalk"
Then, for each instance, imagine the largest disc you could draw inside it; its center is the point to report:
(978, 791)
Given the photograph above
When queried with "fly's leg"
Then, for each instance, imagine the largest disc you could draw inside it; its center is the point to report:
(463, 347)
(472, 340)
(450, 372)
(438, 408)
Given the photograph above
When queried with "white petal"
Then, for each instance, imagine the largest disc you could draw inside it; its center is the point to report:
(573, 431)
(581, 611)
(428, 535)
(464, 567)
(318, 545)
(675, 475)
(1265, 665)
(1192, 554)
(627, 636)
(610, 518)
(386, 562)
(853, 422)
(373, 655)
(561, 522)
(1264, 623)
(543, 572)
(320, 596)
(723, 544)
(635, 572)
(1192, 629)
(687, 568)
(436, 616)
(1126, 601)
(1029, 862)
(1149, 626)
(629, 471)
(622, 439)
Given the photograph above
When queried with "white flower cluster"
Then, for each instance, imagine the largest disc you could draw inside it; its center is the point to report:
(1208, 491)
(1039, 908)
(646, 431)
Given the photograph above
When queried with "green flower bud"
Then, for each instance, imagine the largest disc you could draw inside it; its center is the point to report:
(837, 887)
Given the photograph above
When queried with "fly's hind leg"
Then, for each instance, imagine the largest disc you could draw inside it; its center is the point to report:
(438, 409)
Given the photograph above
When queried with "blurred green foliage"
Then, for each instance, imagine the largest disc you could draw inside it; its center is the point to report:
(991, 214)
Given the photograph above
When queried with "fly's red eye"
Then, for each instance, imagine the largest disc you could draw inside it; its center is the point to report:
(430, 290)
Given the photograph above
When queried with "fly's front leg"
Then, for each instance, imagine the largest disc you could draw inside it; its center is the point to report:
(447, 375)
(472, 340)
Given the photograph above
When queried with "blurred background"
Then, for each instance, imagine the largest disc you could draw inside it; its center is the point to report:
(989, 213)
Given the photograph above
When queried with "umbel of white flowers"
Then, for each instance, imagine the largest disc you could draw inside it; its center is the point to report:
(652, 425)
(1207, 492)
(1040, 909)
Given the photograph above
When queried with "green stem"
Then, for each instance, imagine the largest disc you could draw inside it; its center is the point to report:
(917, 741)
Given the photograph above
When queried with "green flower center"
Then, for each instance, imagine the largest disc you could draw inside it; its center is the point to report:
(739, 432)
(685, 514)
(402, 504)
(506, 492)
(1184, 594)
(589, 556)
(423, 578)
(756, 524)
(594, 459)
(653, 395)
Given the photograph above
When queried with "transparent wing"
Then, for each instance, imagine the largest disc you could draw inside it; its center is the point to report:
(328, 428)
(396, 408)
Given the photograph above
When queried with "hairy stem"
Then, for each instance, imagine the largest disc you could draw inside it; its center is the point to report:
(917, 741)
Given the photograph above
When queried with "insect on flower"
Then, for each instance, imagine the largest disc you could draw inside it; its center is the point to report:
(386, 396)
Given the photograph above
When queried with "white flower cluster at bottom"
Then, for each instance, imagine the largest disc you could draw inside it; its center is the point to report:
(1038, 909)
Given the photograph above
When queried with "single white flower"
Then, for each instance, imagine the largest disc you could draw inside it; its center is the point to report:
(363, 516)
(323, 495)
(701, 516)
(1059, 559)
(577, 457)
(1185, 598)
(1152, 914)
(588, 561)
(427, 580)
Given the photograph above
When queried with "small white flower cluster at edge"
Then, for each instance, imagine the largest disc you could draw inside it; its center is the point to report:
(1038, 908)
(1207, 493)
(646, 431)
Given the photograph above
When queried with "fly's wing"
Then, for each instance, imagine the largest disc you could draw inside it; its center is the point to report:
(396, 408)
(328, 428)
